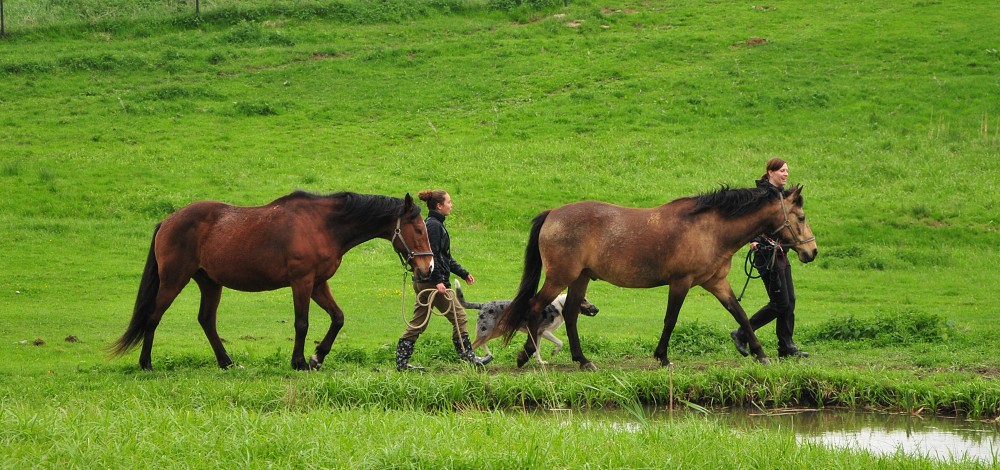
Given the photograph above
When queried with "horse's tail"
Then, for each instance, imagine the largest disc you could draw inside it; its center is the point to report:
(514, 315)
(145, 302)
(461, 298)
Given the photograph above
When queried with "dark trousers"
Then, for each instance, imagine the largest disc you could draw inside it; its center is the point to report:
(781, 294)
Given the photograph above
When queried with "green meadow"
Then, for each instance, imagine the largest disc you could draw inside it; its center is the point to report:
(115, 113)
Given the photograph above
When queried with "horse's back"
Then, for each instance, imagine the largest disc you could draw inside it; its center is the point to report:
(598, 225)
(246, 248)
(626, 246)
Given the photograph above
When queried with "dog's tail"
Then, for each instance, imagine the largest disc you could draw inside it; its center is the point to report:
(461, 298)
(514, 315)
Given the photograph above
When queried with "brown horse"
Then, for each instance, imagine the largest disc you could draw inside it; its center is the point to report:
(297, 240)
(685, 243)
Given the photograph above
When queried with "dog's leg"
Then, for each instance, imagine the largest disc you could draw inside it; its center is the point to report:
(538, 357)
(551, 337)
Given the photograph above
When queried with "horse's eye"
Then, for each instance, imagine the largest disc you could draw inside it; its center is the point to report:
(802, 218)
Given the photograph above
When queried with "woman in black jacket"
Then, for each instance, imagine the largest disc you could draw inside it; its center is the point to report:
(439, 204)
(771, 261)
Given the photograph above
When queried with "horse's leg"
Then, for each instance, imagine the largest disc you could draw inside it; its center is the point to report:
(301, 295)
(321, 294)
(211, 293)
(678, 291)
(571, 312)
(723, 291)
(170, 287)
(550, 290)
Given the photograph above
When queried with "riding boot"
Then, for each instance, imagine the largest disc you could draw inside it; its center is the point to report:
(787, 348)
(785, 327)
(404, 350)
(759, 319)
(464, 349)
(739, 342)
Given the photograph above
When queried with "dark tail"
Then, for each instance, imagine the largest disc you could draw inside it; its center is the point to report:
(461, 298)
(514, 315)
(145, 302)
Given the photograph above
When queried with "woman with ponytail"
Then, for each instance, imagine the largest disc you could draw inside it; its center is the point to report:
(440, 206)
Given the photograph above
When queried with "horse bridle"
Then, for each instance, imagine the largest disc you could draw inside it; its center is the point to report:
(787, 225)
(409, 254)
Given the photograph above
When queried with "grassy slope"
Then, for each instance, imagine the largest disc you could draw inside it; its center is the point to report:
(112, 117)
(109, 126)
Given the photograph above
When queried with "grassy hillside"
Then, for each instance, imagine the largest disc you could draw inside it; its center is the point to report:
(115, 113)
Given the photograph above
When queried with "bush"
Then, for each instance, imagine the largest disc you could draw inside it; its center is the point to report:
(886, 329)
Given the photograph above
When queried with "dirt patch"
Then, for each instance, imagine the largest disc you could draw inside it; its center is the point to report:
(752, 42)
(327, 56)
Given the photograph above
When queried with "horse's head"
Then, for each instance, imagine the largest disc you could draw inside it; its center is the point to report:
(410, 240)
(793, 230)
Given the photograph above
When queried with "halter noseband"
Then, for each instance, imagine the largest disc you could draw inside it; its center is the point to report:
(409, 254)
(788, 226)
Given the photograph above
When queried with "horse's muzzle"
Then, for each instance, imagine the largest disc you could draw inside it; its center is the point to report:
(807, 256)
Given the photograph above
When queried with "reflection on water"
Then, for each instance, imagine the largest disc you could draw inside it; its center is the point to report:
(945, 439)
(881, 434)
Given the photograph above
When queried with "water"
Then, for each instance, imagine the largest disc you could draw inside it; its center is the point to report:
(939, 438)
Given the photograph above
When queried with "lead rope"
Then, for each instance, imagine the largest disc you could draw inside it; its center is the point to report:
(749, 266)
(431, 296)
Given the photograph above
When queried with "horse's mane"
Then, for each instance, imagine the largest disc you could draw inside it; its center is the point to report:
(367, 210)
(732, 203)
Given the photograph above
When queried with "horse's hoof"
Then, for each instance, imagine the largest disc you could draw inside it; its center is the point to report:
(666, 364)
(588, 366)
(522, 358)
(764, 361)
(314, 362)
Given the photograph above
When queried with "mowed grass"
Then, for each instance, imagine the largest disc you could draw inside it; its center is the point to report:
(114, 114)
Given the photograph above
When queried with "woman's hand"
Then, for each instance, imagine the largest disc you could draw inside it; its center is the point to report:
(440, 288)
(471, 280)
(753, 246)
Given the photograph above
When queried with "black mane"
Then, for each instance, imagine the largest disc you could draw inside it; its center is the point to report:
(367, 210)
(732, 203)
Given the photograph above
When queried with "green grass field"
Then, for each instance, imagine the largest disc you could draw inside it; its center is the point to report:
(114, 114)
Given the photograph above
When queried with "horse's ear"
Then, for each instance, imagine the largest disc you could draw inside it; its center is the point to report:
(796, 195)
(407, 203)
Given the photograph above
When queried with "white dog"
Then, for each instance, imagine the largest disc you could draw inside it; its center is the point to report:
(489, 315)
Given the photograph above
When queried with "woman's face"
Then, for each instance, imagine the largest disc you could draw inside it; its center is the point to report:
(778, 177)
(445, 207)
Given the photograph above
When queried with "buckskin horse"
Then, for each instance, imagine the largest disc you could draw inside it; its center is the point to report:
(685, 243)
(296, 241)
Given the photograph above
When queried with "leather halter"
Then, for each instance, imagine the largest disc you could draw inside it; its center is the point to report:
(406, 248)
(787, 225)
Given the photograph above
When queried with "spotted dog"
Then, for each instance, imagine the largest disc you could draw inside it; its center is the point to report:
(489, 315)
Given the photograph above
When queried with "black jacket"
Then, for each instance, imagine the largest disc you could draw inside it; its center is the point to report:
(444, 264)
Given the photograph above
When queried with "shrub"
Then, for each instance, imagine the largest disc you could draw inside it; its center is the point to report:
(886, 329)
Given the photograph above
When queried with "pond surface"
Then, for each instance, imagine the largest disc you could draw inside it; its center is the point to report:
(939, 438)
